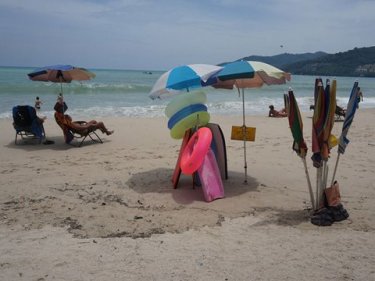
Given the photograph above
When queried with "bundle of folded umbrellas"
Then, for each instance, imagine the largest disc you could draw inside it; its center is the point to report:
(326, 203)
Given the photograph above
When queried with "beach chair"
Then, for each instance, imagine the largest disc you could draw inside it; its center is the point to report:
(27, 124)
(71, 133)
(339, 112)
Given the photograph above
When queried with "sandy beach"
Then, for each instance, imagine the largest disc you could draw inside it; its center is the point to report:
(109, 211)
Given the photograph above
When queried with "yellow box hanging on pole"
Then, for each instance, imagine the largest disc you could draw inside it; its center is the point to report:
(238, 133)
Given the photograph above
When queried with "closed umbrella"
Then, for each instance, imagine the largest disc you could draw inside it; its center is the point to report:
(247, 74)
(296, 127)
(350, 112)
(323, 120)
(60, 74)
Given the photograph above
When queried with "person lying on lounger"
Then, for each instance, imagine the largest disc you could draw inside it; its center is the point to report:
(275, 113)
(60, 108)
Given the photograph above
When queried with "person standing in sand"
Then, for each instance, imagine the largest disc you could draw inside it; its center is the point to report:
(38, 104)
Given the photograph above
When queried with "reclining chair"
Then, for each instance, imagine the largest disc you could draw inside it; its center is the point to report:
(339, 112)
(27, 124)
(71, 133)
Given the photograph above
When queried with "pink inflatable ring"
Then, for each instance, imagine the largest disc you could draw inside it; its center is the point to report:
(195, 151)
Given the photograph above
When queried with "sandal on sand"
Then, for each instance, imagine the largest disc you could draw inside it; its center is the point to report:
(322, 217)
(339, 213)
(48, 142)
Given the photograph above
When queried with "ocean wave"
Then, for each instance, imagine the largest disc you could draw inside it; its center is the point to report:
(252, 107)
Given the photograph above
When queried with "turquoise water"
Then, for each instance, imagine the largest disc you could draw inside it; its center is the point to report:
(125, 93)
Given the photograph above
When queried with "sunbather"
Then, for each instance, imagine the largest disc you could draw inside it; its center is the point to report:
(61, 107)
(275, 113)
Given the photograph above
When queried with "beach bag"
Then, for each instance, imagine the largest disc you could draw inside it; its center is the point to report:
(332, 195)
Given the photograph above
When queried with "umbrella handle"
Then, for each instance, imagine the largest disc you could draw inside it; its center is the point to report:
(334, 171)
(309, 183)
(244, 132)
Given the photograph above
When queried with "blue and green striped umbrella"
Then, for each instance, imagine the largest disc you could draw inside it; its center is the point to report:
(349, 116)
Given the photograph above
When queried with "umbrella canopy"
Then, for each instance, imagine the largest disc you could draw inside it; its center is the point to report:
(60, 74)
(350, 112)
(323, 120)
(295, 124)
(296, 127)
(181, 78)
(349, 116)
(248, 74)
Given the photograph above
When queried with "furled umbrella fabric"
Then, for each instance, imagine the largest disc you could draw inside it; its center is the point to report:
(349, 116)
(296, 127)
(183, 77)
(247, 74)
(350, 112)
(323, 120)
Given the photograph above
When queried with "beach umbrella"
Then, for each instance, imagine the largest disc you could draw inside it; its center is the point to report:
(296, 127)
(323, 120)
(350, 112)
(247, 74)
(183, 77)
(60, 74)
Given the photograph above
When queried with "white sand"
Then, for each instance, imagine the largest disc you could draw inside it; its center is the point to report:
(109, 211)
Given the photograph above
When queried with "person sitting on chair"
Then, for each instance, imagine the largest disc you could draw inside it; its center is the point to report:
(275, 113)
(339, 111)
(60, 108)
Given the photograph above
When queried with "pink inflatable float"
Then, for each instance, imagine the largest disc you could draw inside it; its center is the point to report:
(195, 151)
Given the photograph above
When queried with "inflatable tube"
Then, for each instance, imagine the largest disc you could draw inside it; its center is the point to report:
(186, 111)
(197, 119)
(182, 100)
(196, 150)
(177, 169)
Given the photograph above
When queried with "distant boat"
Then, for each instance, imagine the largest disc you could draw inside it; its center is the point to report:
(147, 72)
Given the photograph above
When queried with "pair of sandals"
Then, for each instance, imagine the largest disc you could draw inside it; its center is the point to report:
(328, 215)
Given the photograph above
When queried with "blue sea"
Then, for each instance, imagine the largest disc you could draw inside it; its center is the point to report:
(116, 93)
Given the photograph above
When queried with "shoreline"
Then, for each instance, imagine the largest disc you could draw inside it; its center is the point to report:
(87, 204)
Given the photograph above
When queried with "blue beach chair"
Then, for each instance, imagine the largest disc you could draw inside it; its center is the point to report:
(27, 124)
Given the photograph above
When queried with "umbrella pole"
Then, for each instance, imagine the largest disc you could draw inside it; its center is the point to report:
(309, 183)
(244, 133)
(318, 186)
(335, 170)
(61, 92)
(323, 173)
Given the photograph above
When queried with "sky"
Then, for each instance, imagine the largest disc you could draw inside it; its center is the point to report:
(162, 34)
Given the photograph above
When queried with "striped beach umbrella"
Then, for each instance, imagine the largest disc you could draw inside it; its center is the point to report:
(296, 127)
(247, 74)
(183, 77)
(350, 112)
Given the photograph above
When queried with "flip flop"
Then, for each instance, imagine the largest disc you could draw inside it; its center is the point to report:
(322, 217)
(48, 142)
(339, 213)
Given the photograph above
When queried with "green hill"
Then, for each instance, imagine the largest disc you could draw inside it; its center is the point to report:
(282, 60)
(356, 62)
